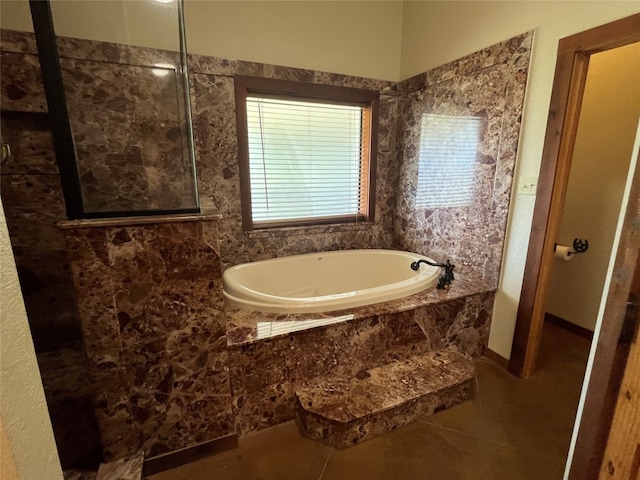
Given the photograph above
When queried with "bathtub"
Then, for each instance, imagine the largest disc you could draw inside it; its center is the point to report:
(326, 281)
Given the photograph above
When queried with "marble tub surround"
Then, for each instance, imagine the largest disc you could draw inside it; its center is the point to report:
(218, 173)
(150, 301)
(266, 374)
(242, 325)
(344, 411)
(489, 84)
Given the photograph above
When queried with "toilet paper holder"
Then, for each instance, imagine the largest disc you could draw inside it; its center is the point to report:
(579, 245)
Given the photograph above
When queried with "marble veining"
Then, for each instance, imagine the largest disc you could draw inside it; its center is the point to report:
(265, 374)
(342, 411)
(130, 147)
(242, 325)
(150, 299)
(489, 84)
(129, 468)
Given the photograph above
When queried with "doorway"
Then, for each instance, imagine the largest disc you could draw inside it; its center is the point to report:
(572, 64)
(599, 170)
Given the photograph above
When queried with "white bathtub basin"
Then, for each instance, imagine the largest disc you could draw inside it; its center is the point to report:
(326, 281)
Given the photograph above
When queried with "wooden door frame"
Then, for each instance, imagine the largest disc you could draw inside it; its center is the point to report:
(564, 111)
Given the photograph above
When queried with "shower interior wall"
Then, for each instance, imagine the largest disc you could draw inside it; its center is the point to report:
(151, 387)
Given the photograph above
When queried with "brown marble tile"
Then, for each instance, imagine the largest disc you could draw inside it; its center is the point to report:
(265, 373)
(157, 349)
(215, 137)
(495, 435)
(343, 411)
(129, 468)
(21, 86)
(151, 307)
(490, 85)
(17, 42)
(114, 53)
(29, 136)
(131, 152)
(242, 324)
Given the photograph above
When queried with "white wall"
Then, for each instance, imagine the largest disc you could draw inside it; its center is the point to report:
(604, 142)
(24, 419)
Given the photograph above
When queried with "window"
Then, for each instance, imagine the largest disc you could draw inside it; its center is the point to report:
(306, 151)
(446, 168)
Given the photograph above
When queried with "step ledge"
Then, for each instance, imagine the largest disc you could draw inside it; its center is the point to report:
(344, 411)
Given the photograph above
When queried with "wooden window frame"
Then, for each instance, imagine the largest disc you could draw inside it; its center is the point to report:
(291, 90)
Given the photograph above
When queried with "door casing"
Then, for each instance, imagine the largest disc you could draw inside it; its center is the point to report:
(562, 126)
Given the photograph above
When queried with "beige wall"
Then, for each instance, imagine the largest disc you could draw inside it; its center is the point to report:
(7, 462)
(437, 32)
(351, 37)
(142, 23)
(24, 418)
(607, 128)
(360, 38)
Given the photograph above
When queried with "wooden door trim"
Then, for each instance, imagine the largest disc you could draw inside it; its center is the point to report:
(566, 99)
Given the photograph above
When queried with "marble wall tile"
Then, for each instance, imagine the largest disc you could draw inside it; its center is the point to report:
(29, 136)
(150, 300)
(490, 85)
(131, 150)
(17, 42)
(33, 205)
(218, 175)
(515, 51)
(21, 86)
(150, 303)
(105, 52)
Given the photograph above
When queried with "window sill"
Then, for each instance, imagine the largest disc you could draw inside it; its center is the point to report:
(308, 229)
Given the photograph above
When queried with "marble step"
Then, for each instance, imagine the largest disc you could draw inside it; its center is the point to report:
(124, 469)
(344, 411)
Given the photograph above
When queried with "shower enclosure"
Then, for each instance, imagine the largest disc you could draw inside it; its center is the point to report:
(117, 89)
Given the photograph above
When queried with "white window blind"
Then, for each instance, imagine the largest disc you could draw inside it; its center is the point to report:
(446, 169)
(305, 159)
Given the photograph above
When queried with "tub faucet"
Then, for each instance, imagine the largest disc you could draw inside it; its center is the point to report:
(447, 275)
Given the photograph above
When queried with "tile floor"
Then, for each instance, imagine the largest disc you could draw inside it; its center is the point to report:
(513, 430)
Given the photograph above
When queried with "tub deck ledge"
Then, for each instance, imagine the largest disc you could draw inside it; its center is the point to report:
(247, 326)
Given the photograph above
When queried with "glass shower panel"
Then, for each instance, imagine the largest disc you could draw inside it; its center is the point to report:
(127, 96)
